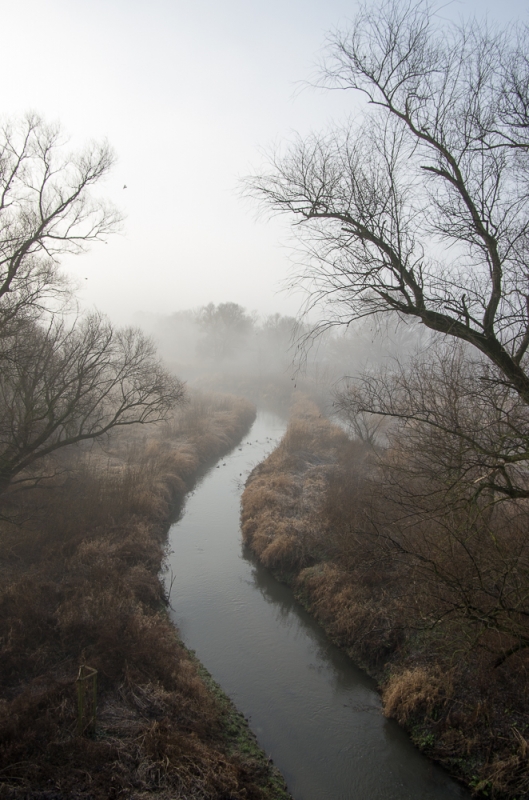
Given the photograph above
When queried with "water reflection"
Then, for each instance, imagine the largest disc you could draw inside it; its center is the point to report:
(293, 616)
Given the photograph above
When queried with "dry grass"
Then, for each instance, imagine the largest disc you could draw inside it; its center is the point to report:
(415, 693)
(79, 565)
(415, 581)
(283, 493)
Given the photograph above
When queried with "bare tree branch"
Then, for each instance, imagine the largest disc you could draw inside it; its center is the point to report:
(46, 207)
(421, 209)
(65, 384)
(61, 383)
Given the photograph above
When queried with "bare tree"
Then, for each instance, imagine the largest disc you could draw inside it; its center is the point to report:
(46, 209)
(65, 384)
(225, 327)
(60, 383)
(421, 209)
(430, 506)
(455, 410)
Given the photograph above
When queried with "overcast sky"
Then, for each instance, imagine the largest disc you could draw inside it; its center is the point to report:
(187, 92)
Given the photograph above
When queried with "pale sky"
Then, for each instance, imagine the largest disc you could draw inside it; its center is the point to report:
(187, 92)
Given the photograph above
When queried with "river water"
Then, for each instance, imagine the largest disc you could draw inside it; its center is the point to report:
(314, 713)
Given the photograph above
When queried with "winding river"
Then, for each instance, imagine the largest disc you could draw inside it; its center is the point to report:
(314, 713)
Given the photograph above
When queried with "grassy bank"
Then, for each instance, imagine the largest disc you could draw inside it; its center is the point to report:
(326, 515)
(79, 565)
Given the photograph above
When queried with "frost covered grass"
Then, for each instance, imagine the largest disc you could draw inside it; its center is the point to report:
(80, 562)
(428, 596)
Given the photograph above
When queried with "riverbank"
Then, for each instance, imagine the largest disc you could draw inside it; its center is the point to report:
(79, 568)
(308, 515)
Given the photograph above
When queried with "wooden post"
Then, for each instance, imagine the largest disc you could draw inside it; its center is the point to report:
(86, 699)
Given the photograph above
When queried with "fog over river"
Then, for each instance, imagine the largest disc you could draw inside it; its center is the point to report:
(316, 715)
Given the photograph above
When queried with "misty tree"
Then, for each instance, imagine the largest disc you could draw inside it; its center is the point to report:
(225, 327)
(279, 330)
(419, 209)
(65, 384)
(47, 209)
(60, 382)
